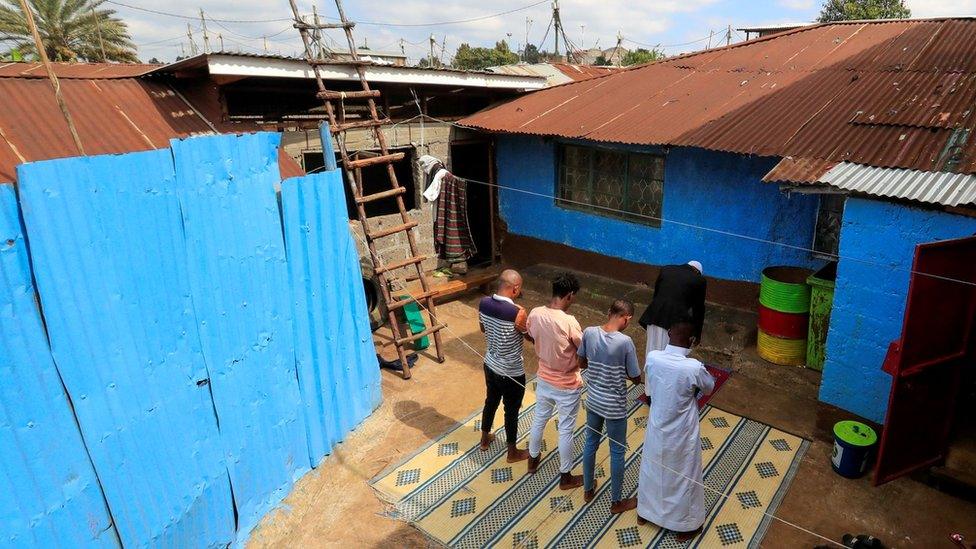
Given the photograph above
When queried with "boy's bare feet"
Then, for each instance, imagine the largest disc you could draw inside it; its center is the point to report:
(623, 506)
(534, 463)
(486, 440)
(682, 537)
(515, 455)
(568, 481)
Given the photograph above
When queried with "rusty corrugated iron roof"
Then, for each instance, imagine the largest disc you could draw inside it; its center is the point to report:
(556, 73)
(76, 70)
(884, 93)
(798, 170)
(115, 115)
(585, 72)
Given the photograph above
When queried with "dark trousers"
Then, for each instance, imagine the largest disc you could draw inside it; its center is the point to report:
(503, 388)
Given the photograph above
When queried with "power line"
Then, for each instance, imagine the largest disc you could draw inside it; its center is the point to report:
(457, 22)
(666, 45)
(289, 19)
(196, 18)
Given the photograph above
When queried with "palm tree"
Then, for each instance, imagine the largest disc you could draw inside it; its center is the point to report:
(71, 30)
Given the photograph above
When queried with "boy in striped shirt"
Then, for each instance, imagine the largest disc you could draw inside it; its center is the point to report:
(504, 325)
(608, 359)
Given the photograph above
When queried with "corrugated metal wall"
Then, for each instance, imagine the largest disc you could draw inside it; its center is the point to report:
(49, 495)
(107, 242)
(334, 350)
(239, 283)
(170, 309)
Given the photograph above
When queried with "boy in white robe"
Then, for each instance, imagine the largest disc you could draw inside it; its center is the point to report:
(670, 493)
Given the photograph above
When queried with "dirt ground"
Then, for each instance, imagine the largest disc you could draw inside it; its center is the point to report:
(334, 506)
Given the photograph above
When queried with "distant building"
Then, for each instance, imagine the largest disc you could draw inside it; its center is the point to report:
(766, 30)
(555, 73)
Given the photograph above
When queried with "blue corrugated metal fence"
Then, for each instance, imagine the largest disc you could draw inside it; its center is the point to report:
(49, 495)
(207, 369)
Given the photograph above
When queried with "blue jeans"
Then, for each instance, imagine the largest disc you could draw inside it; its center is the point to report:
(617, 431)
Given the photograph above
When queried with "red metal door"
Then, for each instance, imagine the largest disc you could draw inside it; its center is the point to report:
(927, 362)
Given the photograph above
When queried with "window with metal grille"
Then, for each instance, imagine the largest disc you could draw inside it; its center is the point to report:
(826, 240)
(620, 184)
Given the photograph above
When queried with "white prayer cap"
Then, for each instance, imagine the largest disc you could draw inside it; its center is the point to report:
(427, 162)
(697, 265)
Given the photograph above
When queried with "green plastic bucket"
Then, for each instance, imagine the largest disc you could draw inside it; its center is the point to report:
(853, 446)
(821, 303)
(785, 289)
(415, 321)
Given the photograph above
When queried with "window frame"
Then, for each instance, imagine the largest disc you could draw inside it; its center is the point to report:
(589, 207)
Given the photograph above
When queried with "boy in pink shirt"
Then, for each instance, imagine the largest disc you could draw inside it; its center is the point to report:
(557, 337)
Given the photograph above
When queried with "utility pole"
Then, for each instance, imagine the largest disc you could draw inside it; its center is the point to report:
(616, 49)
(710, 33)
(220, 37)
(316, 34)
(432, 42)
(98, 29)
(206, 39)
(265, 44)
(528, 25)
(728, 36)
(582, 34)
(193, 45)
(403, 50)
(555, 19)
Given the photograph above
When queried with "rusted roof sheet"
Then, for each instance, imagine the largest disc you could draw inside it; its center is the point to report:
(111, 116)
(76, 70)
(585, 72)
(883, 93)
(798, 170)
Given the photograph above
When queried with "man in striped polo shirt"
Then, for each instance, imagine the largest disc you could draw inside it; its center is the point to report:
(608, 359)
(504, 325)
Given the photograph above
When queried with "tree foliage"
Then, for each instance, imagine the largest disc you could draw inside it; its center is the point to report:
(848, 10)
(641, 56)
(476, 59)
(68, 30)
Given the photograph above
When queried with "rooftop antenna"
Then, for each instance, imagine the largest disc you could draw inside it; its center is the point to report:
(206, 39)
(193, 45)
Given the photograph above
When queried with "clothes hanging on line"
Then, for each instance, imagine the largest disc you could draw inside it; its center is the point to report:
(452, 232)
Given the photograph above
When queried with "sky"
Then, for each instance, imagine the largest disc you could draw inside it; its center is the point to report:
(677, 26)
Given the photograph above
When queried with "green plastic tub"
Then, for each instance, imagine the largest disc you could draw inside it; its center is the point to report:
(821, 303)
(785, 289)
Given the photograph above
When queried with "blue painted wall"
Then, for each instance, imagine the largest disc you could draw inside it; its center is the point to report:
(878, 242)
(721, 191)
(337, 368)
(49, 495)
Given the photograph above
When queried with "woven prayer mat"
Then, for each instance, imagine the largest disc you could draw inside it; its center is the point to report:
(463, 497)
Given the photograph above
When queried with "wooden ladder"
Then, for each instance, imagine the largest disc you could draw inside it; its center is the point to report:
(353, 170)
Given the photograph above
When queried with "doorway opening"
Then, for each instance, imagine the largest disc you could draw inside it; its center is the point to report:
(471, 160)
